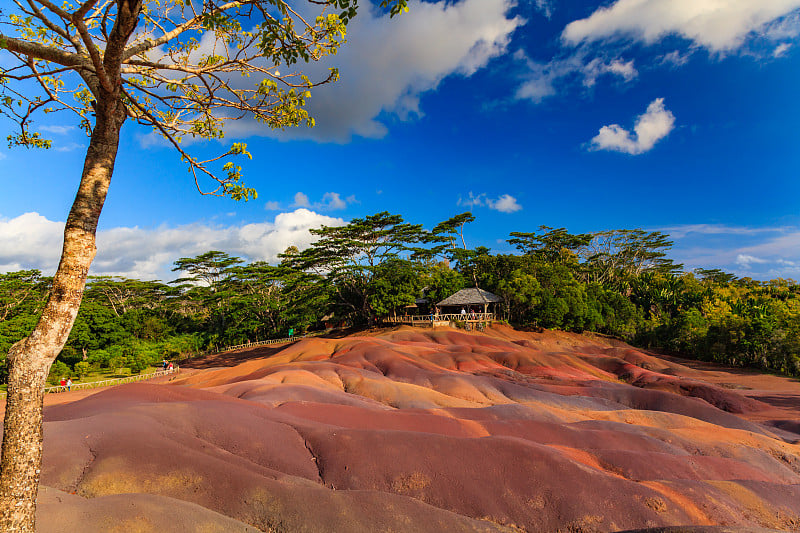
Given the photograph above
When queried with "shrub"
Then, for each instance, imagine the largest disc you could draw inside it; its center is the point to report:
(57, 371)
(81, 369)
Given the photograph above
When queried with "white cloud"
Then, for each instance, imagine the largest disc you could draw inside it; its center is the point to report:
(386, 65)
(331, 201)
(2, 156)
(675, 58)
(541, 79)
(597, 67)
(650, 128)
(272, 206)
(683, 230)
(757, 252)
(785, 28)
(505, 204)
(57, 129)
(766, 27)
(717, 25)
(546, 7)
(745, 261)
(472, 200)
(69, 147)
(781, 49)
(301, 200)
(32, 241)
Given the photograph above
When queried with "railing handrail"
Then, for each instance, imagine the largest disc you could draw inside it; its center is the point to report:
(467, 317)
(109, 382)
(104, 382)
(267, 342)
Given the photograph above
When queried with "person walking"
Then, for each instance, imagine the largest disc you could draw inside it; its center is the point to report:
(69, 384)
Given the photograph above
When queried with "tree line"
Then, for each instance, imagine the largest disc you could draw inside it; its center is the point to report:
(619, 283)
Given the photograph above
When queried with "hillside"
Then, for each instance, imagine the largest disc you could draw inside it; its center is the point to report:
(420, 430)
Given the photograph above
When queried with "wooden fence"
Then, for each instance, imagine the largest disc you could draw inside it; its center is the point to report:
(421, 320)
(262, 343)
(110, 382)
(256, 343)
(105, 382)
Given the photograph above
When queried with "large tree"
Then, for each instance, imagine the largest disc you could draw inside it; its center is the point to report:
(348, 258)
(180, 67)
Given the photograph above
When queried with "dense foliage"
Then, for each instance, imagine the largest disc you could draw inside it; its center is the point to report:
(620, 283)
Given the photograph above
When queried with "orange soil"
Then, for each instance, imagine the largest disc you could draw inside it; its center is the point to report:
(421, 430)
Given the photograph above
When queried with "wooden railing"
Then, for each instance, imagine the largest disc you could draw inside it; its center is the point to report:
(109, 382)
(446, 317)
(104, 382)
(270, 341)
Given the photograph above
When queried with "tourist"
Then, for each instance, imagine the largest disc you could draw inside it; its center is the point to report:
(63, 384)
(69, 384)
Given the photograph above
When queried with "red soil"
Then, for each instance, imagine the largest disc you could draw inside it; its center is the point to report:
(420, 430)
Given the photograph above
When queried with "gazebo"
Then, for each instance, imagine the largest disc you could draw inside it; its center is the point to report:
(467, 299)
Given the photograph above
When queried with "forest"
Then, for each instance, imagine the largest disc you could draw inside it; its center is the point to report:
(619, 283)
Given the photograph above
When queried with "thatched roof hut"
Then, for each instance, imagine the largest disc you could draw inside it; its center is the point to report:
(471, 296)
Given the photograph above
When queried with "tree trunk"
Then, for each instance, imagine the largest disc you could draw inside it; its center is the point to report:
(29, 360)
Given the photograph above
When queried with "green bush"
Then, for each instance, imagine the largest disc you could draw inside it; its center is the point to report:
(58, 370)
(98, 359)
(81, 368)
(137, 363)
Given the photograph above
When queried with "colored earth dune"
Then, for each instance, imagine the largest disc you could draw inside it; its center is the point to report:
(412, 430)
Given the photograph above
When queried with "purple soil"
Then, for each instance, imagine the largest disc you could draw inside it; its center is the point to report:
(420, 430)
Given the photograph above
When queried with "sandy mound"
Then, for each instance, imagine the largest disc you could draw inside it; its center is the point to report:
(420, 430)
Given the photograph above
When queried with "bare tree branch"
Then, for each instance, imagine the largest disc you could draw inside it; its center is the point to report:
(40, 51)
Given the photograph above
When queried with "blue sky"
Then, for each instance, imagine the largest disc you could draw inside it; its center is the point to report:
(671, 115)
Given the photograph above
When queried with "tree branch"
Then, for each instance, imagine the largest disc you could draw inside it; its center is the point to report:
(97, 61)
(39, 51)
(149, 44)
(84, 9)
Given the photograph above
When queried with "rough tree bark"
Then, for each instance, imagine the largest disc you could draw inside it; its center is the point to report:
(30, 359)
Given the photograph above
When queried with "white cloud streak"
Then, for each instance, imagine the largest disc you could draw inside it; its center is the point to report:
(69, 147)
(761, 253)
(542, 79)
(746, 261)
(57, 129)
(32, 241)
(505, 203)
(679, 232)
(546, 7)
(651, 127)
(717, 25)
(331, 201)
